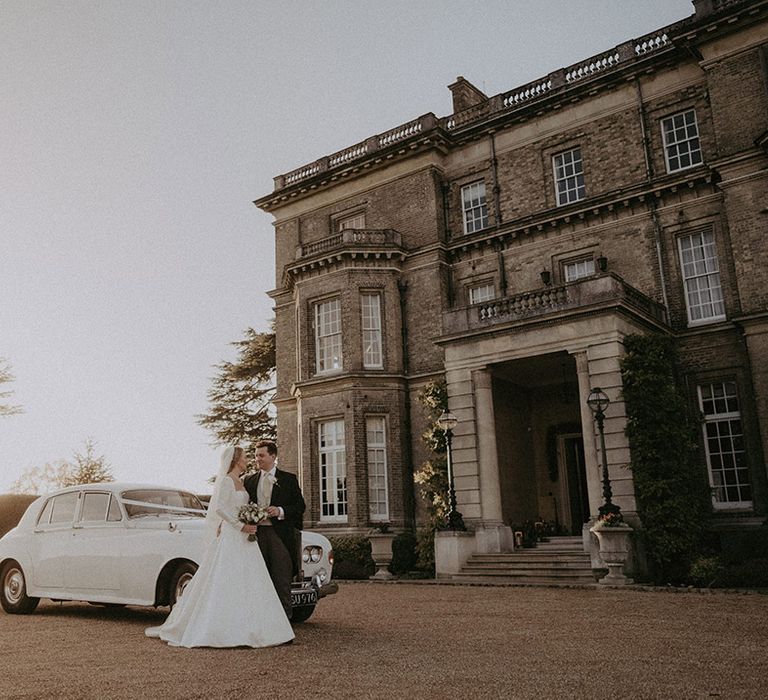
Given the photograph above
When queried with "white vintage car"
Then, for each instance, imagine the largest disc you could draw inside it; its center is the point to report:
(125, 544)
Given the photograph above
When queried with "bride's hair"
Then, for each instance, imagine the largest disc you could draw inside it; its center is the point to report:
(235, 456)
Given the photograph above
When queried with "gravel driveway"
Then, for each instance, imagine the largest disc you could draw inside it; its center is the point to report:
(414, 640)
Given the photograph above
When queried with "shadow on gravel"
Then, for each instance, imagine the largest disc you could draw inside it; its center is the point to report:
(102, 612)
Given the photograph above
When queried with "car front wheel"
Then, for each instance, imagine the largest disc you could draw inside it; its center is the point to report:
(13, 593)
(179, 581)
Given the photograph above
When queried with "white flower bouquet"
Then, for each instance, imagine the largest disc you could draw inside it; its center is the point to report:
(251, 514)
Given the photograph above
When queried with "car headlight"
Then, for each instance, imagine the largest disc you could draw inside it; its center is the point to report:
(316, 554)
(305, 555)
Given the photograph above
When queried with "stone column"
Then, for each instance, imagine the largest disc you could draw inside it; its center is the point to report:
(591, 457)
(491, 535)
(598, 365)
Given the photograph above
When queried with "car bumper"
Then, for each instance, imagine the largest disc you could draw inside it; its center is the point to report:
(328, 589)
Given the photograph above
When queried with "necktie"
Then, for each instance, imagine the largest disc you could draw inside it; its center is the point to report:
(265, 492)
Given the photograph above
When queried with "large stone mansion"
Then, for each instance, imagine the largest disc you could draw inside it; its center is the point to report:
(507, 249)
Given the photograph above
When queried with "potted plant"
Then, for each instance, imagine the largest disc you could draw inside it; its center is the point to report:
(613, 536)
(381, 551)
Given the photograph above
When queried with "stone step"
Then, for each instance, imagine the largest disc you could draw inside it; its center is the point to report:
(559, 561)
(530, 565)
(525, 581)
(528, 580)
(527, 555)
(540, 565)
(561, 543)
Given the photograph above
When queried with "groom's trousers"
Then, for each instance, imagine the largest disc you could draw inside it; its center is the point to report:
(278, 563)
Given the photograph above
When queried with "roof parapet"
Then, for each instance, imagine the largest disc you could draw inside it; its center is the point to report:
(472, 106)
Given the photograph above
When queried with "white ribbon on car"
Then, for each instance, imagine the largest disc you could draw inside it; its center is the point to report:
(159, 506)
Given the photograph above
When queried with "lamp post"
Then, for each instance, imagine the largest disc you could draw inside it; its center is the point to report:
(447, 422)
(598, 402)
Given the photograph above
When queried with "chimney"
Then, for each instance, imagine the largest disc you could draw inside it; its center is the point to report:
(465, 94)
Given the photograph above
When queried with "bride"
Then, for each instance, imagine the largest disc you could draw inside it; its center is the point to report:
(231, 600)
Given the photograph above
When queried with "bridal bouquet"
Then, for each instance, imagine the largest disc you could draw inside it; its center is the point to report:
(251, 514)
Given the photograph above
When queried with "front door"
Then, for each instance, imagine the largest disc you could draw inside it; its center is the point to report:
(574, 498)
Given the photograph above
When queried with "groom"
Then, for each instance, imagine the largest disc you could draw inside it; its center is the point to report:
(279, 535)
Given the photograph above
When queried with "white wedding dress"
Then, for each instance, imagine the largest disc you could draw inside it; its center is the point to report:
(231, 600)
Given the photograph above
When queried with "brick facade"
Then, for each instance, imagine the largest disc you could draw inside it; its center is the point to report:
(414, 253)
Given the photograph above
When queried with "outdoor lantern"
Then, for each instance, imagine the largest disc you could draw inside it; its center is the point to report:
(598, 401)
(447, 421)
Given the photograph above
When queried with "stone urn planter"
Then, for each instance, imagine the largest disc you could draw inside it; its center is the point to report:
(614, 547)
(381, 552)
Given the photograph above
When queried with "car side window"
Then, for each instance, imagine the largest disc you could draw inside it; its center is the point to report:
(63, 509)
(94, 507)
(45, 516)
(114, 515)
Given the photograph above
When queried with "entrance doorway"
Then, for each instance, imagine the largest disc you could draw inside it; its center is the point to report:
(574, 498)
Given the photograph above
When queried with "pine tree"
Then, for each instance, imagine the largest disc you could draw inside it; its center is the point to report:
(85, 468)
(242, 391)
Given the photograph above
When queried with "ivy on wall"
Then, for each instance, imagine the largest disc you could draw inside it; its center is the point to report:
(670, 483)
(432, 476)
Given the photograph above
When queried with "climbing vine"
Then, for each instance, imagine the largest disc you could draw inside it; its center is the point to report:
(670, 485)
(432, 476)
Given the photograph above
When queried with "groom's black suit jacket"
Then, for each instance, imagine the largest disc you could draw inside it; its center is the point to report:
(286, 494)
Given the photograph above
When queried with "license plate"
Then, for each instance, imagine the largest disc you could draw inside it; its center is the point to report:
(304, 597)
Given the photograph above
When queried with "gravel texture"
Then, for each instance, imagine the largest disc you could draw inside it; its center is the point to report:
(410, 640)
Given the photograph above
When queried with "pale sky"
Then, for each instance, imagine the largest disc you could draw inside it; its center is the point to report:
(134, 136)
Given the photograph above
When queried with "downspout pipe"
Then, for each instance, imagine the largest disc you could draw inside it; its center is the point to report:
(657, 230)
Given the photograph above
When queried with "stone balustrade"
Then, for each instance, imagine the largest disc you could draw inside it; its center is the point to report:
(403, 132)
(358, 238)
(526, 304)
(596, 64)
(596, 291)
(351, 153)
(518, 98)
(528, 92)
(652, 42)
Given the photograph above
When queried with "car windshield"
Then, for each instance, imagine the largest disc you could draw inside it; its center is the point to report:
(160, 502)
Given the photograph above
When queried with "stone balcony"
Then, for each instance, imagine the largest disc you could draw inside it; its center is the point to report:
(348, 239)
(350, 246)
(588, 294)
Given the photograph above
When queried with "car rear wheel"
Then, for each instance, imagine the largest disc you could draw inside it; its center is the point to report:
(13, 590)
(179, 581)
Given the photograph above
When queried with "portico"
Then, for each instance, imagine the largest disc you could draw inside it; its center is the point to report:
(525, 447)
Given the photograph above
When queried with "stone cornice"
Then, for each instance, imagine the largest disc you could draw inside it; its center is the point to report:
(582, 80)
(586, 210)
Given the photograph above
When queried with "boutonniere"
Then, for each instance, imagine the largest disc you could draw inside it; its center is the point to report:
(272, 479)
